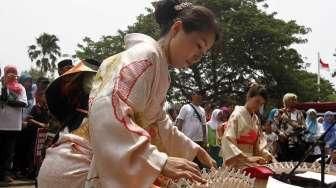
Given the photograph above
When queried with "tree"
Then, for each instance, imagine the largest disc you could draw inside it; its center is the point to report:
(254, 47)
(307, 87)
(102, 49)
(45, 52)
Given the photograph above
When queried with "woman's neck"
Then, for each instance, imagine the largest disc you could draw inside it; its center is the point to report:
(164, 43)
(289, 109)
(248, 108)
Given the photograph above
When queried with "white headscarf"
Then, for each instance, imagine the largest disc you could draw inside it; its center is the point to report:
(213, 123)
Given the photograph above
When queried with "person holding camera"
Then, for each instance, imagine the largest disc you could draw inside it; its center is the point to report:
(291, 124)
(13, 99)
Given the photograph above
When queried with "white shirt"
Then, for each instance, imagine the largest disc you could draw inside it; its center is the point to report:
(11, 117)
(192, 127)
(294, 115)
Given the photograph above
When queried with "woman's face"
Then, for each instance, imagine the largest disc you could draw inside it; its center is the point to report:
(313, 115)
(186, 49)
(255, 103)
(220, 116)
(42, 99)
(27, 83)
(226, 116)
(291, 102)
(329, 118)
(320, 120)
(11, 76)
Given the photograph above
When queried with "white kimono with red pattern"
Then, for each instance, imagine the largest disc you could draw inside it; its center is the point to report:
(131, 135)
(243, 136)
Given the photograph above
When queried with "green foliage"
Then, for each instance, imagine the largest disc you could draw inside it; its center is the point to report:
(102, 49)
(306, 86)
(254, 47)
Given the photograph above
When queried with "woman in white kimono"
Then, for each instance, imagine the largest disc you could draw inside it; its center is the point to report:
(133, 139)
(243, 144)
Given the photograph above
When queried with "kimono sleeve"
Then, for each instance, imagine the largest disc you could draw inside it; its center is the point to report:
(123, 154)
(175, 142)
(229, 144)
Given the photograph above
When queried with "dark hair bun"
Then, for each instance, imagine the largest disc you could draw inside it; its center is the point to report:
(257, 90)
(165, 11)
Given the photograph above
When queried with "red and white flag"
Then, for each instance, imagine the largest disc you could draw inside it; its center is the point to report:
(324, 65)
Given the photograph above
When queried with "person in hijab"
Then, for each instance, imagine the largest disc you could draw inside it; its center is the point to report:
(221, 128)
(27, 81)
(320, 120)
(214, 147)
(329, 121)
(13, 97)
(330, 139)
(313, 131)
(22, 146)
(313, 128)
(272, 120)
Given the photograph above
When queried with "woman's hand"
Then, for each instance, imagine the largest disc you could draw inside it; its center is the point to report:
(205, 158)
(257, 159)
(177, 168)
(268, 157)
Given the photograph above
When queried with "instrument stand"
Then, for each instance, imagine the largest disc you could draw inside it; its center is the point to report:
(322, 145)
(288, 178)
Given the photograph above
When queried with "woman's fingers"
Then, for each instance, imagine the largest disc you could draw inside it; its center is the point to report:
(184, 175)
(198, 178)
(205, 158)
(191, 176)
(214, 164)
(192, 169)
(193, 164)
(177, 168)
(261, 160)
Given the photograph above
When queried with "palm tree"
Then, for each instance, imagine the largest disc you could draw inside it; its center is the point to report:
(44, 54)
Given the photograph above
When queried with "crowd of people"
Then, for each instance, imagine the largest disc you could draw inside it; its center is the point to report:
(24, 115)
(284, 134)
(116, 129)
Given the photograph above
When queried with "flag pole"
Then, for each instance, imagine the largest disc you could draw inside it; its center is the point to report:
(318, 75)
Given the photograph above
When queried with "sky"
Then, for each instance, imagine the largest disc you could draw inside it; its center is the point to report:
(320, 17)
(21, 21)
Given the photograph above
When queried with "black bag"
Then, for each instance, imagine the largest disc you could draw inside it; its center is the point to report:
(199, 118)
